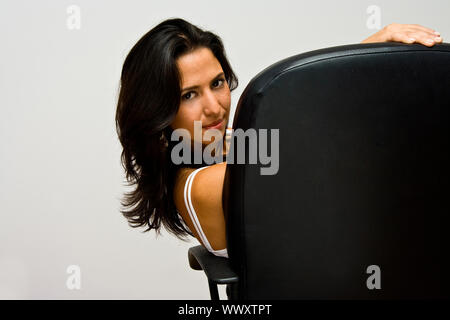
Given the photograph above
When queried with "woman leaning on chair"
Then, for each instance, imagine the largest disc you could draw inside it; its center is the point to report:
(174, 75)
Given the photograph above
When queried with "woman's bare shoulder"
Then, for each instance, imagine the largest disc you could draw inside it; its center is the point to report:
(206, 186)
(211, 176)
(206, 197)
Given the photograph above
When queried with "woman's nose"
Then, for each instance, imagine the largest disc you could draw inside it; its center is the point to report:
(211, 104)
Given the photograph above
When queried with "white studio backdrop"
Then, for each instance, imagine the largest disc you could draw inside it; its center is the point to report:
(60, 176)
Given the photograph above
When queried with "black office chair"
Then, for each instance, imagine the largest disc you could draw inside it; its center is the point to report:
(360, 206)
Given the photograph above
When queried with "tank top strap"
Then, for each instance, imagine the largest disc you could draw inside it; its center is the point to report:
(193, 214)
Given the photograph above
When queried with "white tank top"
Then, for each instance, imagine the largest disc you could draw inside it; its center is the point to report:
(194, 218)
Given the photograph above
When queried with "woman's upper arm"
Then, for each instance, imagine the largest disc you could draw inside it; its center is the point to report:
(206, 197)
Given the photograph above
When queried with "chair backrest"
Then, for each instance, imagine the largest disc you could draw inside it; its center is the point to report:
(360, 205)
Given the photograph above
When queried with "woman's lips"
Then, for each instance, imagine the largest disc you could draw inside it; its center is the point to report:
(216, 125)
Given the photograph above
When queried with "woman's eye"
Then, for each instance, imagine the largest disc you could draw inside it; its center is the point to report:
(217, 83)
(187, 96)
(222, 80)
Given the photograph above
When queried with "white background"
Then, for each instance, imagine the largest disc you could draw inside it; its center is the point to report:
(60, 176)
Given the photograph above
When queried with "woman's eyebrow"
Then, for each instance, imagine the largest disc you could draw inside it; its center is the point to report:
(195, 87)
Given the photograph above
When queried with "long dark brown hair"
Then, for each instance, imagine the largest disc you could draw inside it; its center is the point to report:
(149, 98)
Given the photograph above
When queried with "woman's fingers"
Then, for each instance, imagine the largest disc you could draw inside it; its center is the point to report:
(407, 33)
(422, 28)
(402, 37)
(412, 33)
(411, 27)
(425, 38)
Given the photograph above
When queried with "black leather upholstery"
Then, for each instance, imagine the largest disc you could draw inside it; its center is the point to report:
(363, 176)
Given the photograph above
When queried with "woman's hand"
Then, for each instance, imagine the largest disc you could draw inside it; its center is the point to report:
(406, 33)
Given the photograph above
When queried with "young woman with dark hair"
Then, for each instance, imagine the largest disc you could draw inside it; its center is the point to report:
(174, 75)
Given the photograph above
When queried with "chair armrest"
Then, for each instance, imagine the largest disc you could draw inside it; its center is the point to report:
(217, 269)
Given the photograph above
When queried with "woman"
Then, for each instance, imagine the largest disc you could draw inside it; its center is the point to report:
(177, 74)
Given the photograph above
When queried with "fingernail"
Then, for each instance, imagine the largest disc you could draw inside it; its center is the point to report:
(437, 33)
(429, 41)
(412, 39)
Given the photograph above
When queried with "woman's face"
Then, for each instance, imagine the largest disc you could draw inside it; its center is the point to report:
(205, 95)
